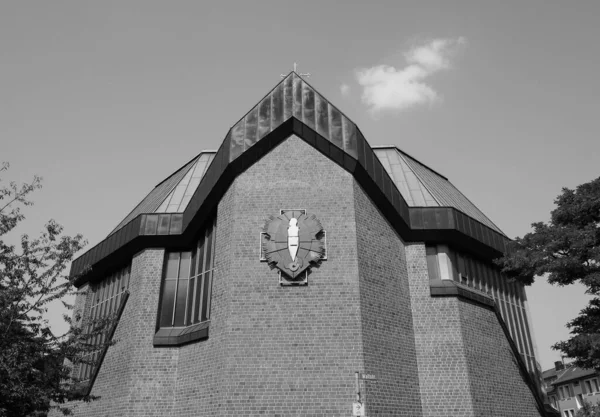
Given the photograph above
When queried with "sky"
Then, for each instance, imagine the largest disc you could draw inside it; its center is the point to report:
(106, 99)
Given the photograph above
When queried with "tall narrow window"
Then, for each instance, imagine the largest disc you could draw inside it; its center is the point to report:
(106, 299)
(187, 284)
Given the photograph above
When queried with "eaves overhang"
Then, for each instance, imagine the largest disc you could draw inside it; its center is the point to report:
(290, 110)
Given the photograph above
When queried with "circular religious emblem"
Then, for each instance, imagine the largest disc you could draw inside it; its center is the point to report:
(293, 241)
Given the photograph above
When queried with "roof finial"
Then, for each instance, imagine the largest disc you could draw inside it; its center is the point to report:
(307, 74)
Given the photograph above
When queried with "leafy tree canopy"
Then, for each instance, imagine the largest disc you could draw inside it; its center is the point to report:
(33, 377)
(588, 410)
(566, 250)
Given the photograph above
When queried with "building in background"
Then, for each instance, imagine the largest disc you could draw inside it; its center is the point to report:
(567, 387)
(277, 274)
(548, 378)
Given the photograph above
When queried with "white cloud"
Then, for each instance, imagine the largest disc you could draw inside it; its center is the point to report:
(388, 88)
(345, 89)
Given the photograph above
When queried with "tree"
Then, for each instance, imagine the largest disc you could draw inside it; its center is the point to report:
(33, 374)
(566, 250)
(588, 410)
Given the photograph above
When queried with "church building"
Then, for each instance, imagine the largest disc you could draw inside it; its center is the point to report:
(299, 271)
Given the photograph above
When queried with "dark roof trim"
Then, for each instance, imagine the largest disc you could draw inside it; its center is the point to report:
(177, 230)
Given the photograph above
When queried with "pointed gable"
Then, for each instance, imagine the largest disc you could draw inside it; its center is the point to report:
(292, 97)
(420, 204)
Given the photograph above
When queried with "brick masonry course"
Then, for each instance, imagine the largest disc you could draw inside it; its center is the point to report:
(293, 351)
(466, 365)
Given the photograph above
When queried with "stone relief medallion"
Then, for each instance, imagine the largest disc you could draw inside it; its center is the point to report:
(292, 242)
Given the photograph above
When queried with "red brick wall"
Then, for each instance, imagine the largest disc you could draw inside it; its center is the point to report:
(444, 380)
(492, 367)
(388, 341)
(466, 366)
(272, 350)
(135, 378)
(293, 351)
(151, 372)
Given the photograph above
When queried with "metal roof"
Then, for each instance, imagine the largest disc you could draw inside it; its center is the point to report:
(173, 212)
(421, 186)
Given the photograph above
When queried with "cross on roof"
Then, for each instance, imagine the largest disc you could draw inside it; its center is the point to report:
(307, 74)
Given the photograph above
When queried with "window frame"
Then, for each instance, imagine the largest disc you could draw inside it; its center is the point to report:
(571, 390)
(106, 297)
(594, 388)
(197, 300)
(564, 392)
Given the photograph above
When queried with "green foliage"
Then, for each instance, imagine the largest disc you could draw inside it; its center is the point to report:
(33, 377)
(566, 250)
(588, 410)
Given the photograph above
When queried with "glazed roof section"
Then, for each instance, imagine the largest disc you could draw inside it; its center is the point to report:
(410, 186)
(180, 196)
(423, 187)
(162, 198)
(169, 217)
(155, 198)
(291, 97)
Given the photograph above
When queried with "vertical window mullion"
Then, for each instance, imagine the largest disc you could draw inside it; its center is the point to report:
(486, 278)
(127, 275)
(191, 298)
(433, 267)
(523, 298)
(464, 272)
(182, 288)
(207, 247)
(209, 293)
(200, 303)
(203, 271)
(195, 277)
(176, 288)
(187, 294)
(210, 273)
(113, 293)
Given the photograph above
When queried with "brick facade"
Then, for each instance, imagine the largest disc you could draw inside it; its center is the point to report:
(288, 351)
(442, 363)
(293, 351)
(466, 365)
(388, 335)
